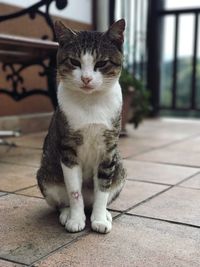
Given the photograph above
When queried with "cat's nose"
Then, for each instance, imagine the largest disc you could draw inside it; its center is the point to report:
(86, 79)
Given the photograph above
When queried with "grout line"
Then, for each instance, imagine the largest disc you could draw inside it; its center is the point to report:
(187, 178)
(13, 261)
(19, 164)
(17, 194)
(168, 163)
(145, 181)
(160, 163)
(16, 191)
(147, 199)
(155, 195)
(163, 220)
(163, 191)
(186, 187)
(165, 145)
(139, 153)
(29, 147)
(87, 232)
(28, 187)
(156, 183)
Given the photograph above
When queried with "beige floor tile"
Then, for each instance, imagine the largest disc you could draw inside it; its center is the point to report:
(132, 242)
(33, 192)
(187, 146)
(136, 139)
(4, 263)
(14, 177)
(151, 142)
(133, 193)
(193, 182)
(155, 172)
(178, 204)
(128, 149)
(171, 156)
(30, 140)
(29, 229)
(164, 136)
(162, 129)
(22, 156)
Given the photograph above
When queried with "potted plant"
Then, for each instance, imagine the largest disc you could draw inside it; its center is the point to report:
(135, 98)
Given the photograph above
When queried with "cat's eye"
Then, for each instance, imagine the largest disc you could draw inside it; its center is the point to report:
(100, 64)
(75, 62)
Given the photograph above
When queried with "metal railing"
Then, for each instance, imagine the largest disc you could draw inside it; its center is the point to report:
(177, 13)
(155, 36)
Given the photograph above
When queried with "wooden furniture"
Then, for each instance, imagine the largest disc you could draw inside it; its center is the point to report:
(18, 53)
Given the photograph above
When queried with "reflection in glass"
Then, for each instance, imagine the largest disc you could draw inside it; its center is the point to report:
(167, 62)
(198, 69)
(184, 64)
(175, 4)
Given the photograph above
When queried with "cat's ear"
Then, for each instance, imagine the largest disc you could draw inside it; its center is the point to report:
(62, 32)
(116, 31)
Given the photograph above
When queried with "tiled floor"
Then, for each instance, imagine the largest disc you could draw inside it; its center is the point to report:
(156, 217)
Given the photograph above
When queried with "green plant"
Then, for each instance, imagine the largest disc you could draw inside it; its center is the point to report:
(140, 96)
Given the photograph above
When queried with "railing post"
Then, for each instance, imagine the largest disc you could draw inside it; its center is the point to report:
(194, 63)
(111, 11)
(154, 45)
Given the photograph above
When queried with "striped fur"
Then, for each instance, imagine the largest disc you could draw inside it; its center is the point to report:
(81, 166)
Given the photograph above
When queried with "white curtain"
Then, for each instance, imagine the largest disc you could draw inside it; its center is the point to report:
(135, 14)
(102, 15)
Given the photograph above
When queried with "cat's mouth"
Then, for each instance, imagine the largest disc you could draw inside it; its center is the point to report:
(87, 88)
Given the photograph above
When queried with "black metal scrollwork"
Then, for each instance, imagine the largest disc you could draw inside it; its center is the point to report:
(14, 75)
(33, 10)
(15, 69)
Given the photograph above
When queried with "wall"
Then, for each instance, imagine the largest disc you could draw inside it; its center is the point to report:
(36, 28)
(79, 10)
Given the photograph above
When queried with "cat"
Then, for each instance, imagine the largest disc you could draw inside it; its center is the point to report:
(81, 166)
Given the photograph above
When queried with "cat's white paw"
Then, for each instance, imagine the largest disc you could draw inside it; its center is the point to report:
(64, 215)
(102, 226)
(75, 225)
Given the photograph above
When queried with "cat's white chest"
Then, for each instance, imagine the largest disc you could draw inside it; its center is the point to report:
(93, 148)
(91, 115)
(83, 110)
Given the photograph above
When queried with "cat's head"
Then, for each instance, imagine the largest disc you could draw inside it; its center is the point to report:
(89, 61)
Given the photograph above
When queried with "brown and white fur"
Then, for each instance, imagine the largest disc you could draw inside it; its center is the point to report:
(81, 166)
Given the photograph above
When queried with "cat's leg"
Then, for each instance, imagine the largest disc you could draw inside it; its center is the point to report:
(101, 219)
(52, 186)
(56, 195)
(74, 217)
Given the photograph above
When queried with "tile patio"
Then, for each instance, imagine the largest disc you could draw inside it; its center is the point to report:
(156, 218)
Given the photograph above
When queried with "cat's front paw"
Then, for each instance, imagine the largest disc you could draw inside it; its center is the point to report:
(75, 225)
(72, 224)
(103, 225)
(64, 215)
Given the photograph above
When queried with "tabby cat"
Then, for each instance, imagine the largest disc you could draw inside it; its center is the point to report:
(81, 166)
